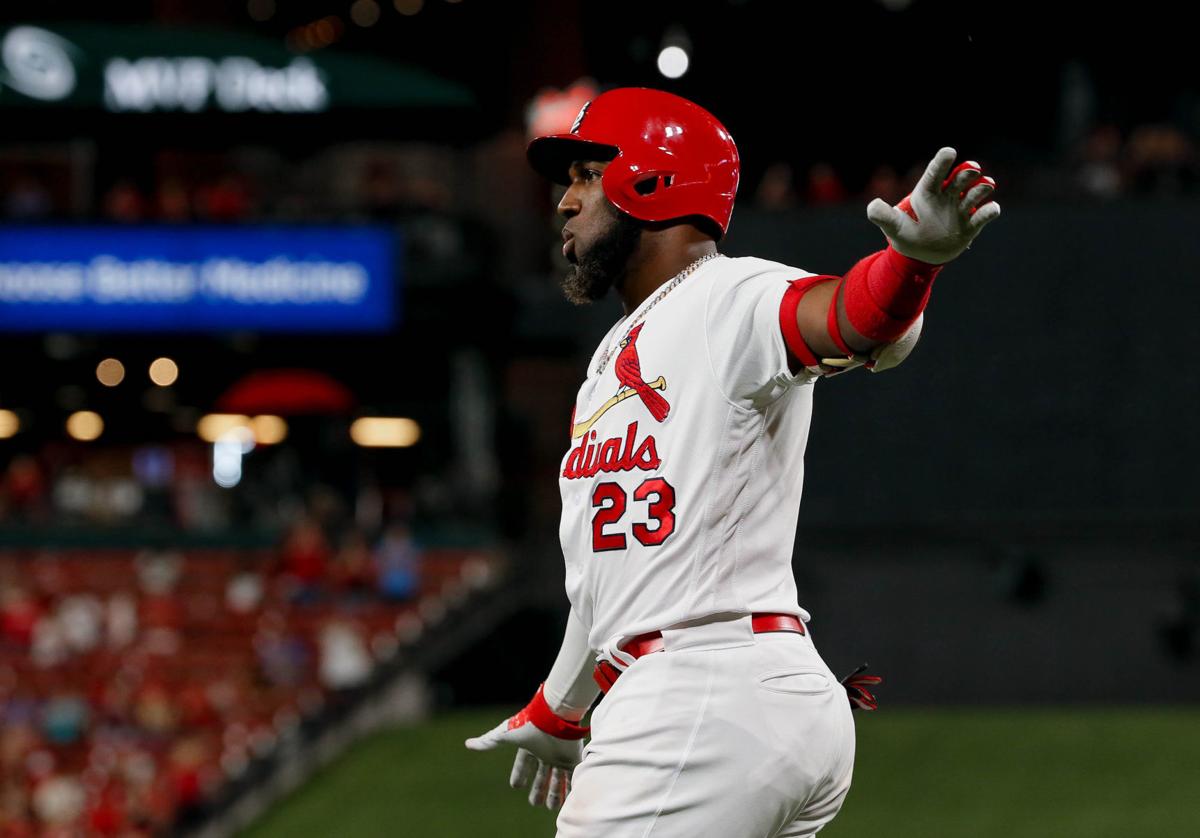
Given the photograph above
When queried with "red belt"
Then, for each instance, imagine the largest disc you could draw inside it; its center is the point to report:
(644, 644)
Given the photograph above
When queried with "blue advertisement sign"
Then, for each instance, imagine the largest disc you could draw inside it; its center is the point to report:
(198, 279)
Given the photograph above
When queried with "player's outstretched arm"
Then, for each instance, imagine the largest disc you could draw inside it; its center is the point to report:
(873, 313)
(546, 733)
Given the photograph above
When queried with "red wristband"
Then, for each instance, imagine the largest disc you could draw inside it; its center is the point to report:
(538, 713)
(885, 292)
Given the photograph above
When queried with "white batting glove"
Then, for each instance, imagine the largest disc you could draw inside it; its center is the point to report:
(944, 213)
(548, 749)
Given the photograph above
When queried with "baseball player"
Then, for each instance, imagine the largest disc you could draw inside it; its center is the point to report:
(681, 484)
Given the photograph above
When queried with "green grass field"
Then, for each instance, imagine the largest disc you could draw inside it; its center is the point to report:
(1058, 773)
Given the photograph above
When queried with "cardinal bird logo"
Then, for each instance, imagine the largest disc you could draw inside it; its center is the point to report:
(628, 369)
(629, 372)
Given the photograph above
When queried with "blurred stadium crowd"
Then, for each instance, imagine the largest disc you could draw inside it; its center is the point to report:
(136, 684)
(1156, 160)
(256, 184)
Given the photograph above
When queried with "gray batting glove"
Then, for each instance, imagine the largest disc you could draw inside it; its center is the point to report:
(944, 213)
(548, 749)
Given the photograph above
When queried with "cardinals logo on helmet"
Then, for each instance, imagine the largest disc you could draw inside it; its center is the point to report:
(628, 369)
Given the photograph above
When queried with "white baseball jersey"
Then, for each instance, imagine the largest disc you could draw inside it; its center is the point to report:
(681, 489)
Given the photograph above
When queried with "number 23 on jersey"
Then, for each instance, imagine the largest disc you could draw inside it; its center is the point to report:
(610, 502)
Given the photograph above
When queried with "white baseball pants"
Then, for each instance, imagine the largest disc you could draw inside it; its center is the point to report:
(723, 734)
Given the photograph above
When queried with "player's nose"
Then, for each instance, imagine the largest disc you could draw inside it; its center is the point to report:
(569, 205)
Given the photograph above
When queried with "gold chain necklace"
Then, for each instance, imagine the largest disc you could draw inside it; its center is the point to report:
(666, 289)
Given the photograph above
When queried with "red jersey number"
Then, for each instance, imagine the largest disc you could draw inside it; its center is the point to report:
(662, 510)
(609, 500)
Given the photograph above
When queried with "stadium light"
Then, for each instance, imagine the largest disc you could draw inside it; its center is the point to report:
(9, 424)
(228, 451)
(268, 430)
(673, 62)
(675, 57)
(211, 427)
(164, 372)
(85, 425)
(385, 432)
(110, 372)
(364, 13)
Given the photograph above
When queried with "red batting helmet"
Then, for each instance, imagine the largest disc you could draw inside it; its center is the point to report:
(670, 157)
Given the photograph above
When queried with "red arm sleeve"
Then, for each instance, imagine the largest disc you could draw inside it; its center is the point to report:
(883, 294)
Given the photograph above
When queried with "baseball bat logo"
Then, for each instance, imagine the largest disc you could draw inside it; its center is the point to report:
(579, 118)
(628, 369)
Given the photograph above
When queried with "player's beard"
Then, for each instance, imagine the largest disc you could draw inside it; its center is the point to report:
(606, 262)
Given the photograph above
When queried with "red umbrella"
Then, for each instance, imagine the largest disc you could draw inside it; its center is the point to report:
(286, 392)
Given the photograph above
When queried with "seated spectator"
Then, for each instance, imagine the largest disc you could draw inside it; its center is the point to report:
(777, 189)
(195, 708)
(228, 199)
(172, 201)
(121, 620)
(190, 781)
(81, 617)
(25, 490)
(397, 563)
(1098, 172)
(155, 709)
(345, 662)
(824, 186)
(244, 592)
(124, 203)
(107, 814)
(283, 656)
(227, 694)
(113, 697)
(19, 613)
(304, 558)
(18, 736)
(151, 795)
(884, 183)
(158, 571)
(353, 570)
(59, 801)
(48, 647)
(65, 719)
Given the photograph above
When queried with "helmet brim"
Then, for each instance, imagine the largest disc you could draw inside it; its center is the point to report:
(552, 156)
